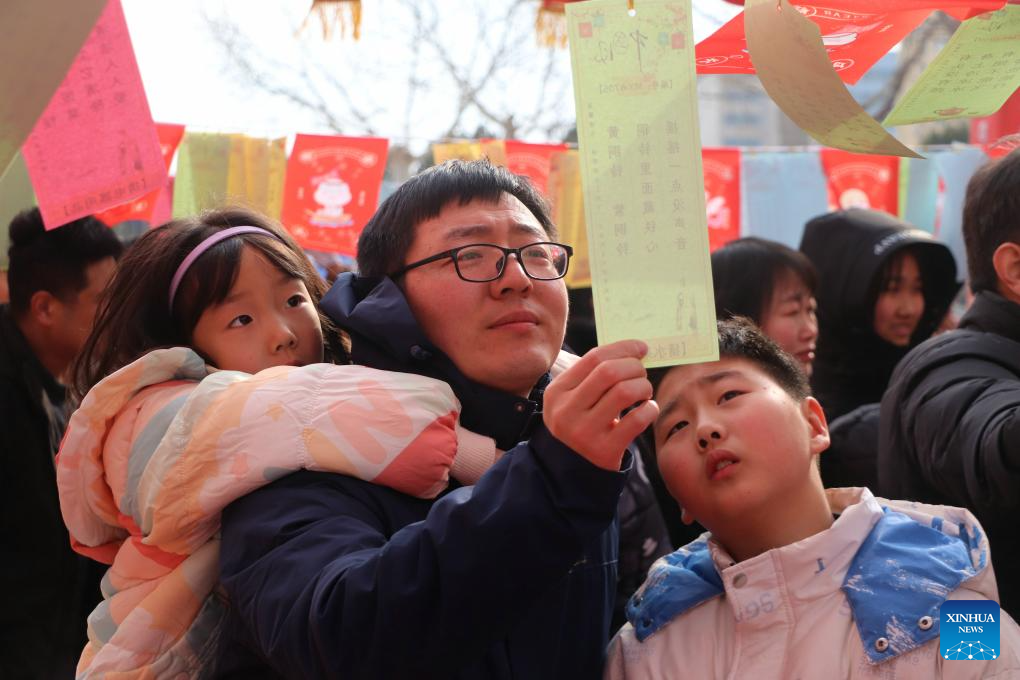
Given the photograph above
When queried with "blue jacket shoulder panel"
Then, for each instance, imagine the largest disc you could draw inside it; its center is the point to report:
(903, 572)
(678, 582)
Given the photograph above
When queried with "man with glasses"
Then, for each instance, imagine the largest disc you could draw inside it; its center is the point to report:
(511, 577)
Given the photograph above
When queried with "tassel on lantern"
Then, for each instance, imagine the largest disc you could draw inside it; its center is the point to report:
(551, 24)
(342, 15)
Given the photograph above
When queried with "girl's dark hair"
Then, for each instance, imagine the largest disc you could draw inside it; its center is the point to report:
(134, 315)
(745, 273)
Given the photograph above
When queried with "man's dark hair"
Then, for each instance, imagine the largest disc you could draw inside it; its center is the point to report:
(991, 217)
(745, 273)
(387, 237)
(739, 338)
(55, 260)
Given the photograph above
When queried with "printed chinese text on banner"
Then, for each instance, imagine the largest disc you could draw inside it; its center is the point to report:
(95, 145)
(567, 202)
(532, 161)
(862, 180)
(332, 190)
(144, 208)
(637, 113)
(722, 195)
(795, 71)
(203, 164)
(856, 33)
(973, 75)
(38, 47)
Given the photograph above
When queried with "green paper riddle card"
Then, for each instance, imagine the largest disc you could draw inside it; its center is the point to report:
(644, 201)
(973, 75)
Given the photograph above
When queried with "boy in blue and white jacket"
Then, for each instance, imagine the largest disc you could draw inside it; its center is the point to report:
(792, 581)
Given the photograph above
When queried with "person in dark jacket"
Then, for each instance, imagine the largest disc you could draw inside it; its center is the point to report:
(55, 280)
(883, 288)
(950, 422)
(514, 577)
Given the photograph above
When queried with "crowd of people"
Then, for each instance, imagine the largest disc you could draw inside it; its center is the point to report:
(218, 465)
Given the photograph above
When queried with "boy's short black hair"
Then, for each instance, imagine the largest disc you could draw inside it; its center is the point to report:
(54, 260)
(388, 236)
(739, 338)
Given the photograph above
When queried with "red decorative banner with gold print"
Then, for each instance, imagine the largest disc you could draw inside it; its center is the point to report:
(532, 161)
(861, 180)
(856, 33)
(332, 189)
(722, 195)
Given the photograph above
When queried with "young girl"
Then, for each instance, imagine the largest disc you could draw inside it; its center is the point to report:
(203, 379)
(772, 285)
(884, 288)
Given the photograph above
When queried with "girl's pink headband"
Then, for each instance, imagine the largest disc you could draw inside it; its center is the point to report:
(205, 245)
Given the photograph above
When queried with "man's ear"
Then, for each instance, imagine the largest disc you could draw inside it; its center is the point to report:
(44, 308)
(1006, 261)
(818, 427)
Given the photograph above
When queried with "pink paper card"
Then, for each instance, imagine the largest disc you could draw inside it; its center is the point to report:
(95, 145)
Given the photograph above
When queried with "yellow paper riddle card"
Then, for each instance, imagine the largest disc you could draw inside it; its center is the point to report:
(644, 200)
(795, 70)
(973, 75)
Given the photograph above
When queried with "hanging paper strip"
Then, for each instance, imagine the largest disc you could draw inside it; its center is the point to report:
(795, 70)
(334, 16)
(332, 190)
(531, 160)
(465, 151)
(955, 168)
(781, 192)
(202, 166)
(255, 173)
(637, 115)
(494, 150)
(862, 180)
(95, 145)
(973, 75)
(567, 203)
(919, 192)
(39, 45)
(144, 208)
(722, 195)
(856, 33)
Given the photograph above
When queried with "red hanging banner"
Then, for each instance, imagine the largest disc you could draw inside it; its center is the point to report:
(989, 130)
(144, 208)
(532, 160)
(862, 180)
(722, 195)
(856, 33)
(332, 189)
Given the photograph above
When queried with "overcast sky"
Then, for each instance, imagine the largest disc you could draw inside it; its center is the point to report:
(188, 80)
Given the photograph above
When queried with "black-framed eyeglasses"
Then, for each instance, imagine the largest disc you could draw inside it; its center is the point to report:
(482, 262)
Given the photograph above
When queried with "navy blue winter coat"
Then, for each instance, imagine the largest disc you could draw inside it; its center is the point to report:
(514, 577)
